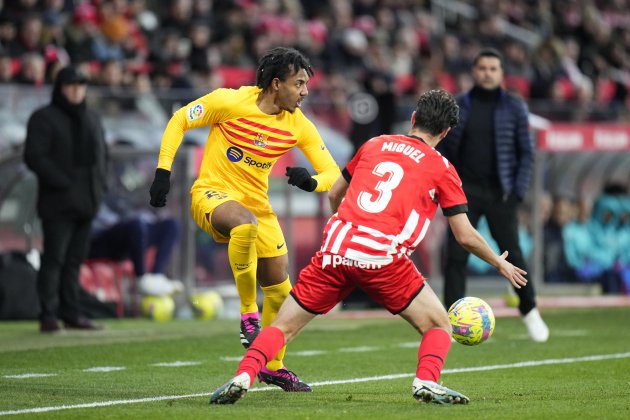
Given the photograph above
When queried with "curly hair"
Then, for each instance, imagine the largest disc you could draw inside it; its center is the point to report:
(436, 111)
(280, 63)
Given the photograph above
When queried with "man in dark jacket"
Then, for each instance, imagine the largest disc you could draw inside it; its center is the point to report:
(493, 152)
(65, 147)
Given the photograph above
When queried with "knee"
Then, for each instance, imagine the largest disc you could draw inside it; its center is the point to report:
(246, 231)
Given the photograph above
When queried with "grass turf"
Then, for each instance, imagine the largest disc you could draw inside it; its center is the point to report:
(564, 387)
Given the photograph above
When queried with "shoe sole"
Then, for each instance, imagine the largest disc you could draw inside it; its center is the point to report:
(427, 396)
(229, 395)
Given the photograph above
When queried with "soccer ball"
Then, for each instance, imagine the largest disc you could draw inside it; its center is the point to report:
(158, 308)
(472, 321)
(206, 305)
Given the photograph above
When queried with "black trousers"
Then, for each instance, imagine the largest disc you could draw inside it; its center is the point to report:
(486, 200)
(65, 249)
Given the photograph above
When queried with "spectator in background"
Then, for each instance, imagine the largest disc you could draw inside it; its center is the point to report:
(604, 229)
(492, 150)
(118, 235)
(578, 243)
(65, 147)
(556, 266)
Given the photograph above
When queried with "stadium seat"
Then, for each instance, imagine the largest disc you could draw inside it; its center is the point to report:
(110, 276)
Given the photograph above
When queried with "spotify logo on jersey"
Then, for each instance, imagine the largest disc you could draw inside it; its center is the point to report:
(234, 154)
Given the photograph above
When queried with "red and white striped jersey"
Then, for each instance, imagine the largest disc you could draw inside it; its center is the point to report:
(396, 184)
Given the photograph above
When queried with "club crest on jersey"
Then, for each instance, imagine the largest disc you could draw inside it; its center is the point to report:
(234, 154)
(195, 112)
(261, 140)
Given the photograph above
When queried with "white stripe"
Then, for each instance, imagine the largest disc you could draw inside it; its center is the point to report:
(29, 375)
(374, 232)
(332, 230)
(410, 227)
(340, 238)
(530, 363)
(362, 257)
(105, 369)
(423, 232)
(370, 243)
(176, 363)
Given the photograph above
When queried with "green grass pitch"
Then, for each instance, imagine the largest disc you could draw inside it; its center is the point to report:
(363, 369)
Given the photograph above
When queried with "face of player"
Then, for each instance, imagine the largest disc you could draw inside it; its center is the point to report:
(74, 92)
(488, 73)
(292, 91)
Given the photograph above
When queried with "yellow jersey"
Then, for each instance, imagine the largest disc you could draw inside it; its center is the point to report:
(244, 143)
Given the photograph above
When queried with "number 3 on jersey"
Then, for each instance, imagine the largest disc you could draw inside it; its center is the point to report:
(392, 173)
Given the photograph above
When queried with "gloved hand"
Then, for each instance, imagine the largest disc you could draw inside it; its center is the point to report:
(160, 187)
(301, 179)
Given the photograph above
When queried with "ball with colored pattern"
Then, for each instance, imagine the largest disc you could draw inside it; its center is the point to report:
(472, 320)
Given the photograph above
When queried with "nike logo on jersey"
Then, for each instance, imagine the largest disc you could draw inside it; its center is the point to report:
(280, 246)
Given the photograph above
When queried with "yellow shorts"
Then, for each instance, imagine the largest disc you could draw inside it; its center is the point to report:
(270, 241)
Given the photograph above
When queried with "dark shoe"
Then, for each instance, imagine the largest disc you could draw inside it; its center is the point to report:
(250, 328)
(232, 391)
(283, 378)
(82, 324)
(49, 327)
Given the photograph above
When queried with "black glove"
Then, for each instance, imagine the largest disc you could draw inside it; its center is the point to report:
(159, 188)
(301, 179)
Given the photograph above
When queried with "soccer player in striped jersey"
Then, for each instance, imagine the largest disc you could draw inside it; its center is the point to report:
(251, 128)
(383, 203)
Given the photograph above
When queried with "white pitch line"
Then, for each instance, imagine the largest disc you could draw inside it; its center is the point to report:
(177, 363)
(530, 363)
(29, 375)
(104, 369)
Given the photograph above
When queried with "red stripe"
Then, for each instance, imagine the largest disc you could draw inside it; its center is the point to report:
(254, 133)
(252, 142)
(249, 149)
(270, 129)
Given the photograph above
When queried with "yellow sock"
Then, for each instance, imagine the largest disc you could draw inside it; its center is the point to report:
(243, 261)
(274, 296)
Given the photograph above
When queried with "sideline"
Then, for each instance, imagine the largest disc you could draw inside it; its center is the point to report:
(324, 383)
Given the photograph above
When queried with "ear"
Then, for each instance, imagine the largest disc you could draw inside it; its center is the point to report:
(444, 133)
(275, 84)
(413, 118)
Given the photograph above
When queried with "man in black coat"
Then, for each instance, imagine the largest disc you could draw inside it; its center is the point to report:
(65, 147)
(493, 153)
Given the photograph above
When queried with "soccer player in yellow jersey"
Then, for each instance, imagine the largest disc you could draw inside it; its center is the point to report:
(251, 128)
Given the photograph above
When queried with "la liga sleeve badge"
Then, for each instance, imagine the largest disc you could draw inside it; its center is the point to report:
(195, 112)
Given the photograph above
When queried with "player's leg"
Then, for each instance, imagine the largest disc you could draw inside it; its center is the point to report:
(427, 315)
(220, 215)
(401, 289)
(273, 275)
(316, 292)
(287, 325)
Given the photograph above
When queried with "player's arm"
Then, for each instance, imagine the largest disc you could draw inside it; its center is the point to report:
(313, 147)
(472, 241)
(337, 192)
(199, 113)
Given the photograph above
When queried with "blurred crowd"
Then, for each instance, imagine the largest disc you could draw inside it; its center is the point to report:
(574, 52)
(589, 241)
